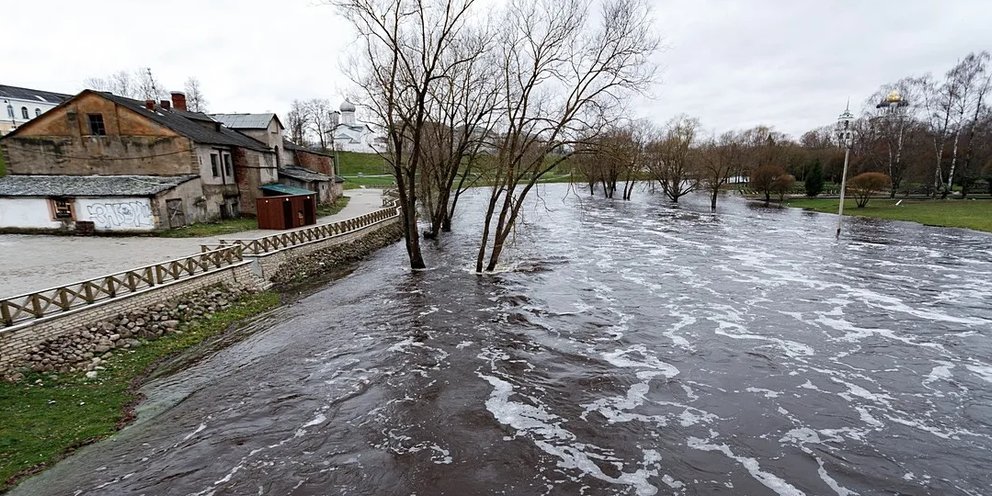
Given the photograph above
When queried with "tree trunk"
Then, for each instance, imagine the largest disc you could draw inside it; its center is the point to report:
(716, 191)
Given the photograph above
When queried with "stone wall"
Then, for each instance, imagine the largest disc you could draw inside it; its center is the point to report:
(17, 343)
(85, 348)
(78, 339)
(300, 264)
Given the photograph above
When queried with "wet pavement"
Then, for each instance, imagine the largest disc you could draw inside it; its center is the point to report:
(625, 348)
(31, 262)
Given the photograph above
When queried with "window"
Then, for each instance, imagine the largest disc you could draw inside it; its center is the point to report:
(214, 165)
(96, 125)
(37, 112)
(227, 165)
(10, 111)
(62, 208)
(24, 113)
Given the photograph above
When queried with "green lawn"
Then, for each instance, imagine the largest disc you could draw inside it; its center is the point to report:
(355, 182)
(333, 208)
(969, 214)
(206, 229)
(353, 164)
(46, 416)
(3, 166)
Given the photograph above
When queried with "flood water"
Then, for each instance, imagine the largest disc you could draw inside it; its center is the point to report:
(626, 348)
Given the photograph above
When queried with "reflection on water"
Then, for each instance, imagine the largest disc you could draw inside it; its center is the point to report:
(625, 348)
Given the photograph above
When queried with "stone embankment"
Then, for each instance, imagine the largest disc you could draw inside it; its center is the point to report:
(84, 349)
(306, 267)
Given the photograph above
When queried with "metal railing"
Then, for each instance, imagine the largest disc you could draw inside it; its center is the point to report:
(279, 241)
(25, 307)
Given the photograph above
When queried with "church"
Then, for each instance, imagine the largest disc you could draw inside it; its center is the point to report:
(352, 135)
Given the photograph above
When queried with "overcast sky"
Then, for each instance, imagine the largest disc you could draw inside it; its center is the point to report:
(732, 64)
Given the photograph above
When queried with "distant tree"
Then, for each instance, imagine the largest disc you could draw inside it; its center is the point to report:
(814, 179)
(764, 179)
(195, 101)
(141, 84)
(866, 184)
(782, 184)
(297, 121)
(318, 117)
(719, 157)
(672, 158)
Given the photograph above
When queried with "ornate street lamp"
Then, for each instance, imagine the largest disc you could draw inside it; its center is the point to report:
(845, 136)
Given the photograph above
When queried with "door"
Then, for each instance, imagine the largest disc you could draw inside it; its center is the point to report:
(287, 214)
(174, 208)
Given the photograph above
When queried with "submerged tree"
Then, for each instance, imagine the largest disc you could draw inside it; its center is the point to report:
(673, 158)
(719, 158)
(558, 72)
(765, 179)
(407, 46)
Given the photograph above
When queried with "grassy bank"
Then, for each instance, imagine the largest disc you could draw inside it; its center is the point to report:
(969, 214)
(3, 166)
(378, 181)
(353, 164)
(46, 416)
(230, 226)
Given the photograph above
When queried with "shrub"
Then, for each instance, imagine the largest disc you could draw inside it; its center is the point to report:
(866, 184)
(814, 180)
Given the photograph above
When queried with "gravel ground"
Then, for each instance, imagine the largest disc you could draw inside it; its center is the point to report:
(34, 262)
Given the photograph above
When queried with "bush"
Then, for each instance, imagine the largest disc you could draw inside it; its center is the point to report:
(866, 184)
(814, 180)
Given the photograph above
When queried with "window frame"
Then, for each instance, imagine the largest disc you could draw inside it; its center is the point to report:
(65, 211)
(24, 113)
(214, 164)
(228, 165)
(98, 118)
(37, 112)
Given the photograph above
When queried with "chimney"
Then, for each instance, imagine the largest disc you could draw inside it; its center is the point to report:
(166, 104)
(150, 104)
(179, 100)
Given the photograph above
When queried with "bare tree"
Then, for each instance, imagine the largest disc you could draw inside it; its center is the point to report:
(891, 122)
(559, 73)
(769, 179)
(866, 184)
(297, 121)
(673, 158)
(719, 158)
(462, 107)
(195, 101)
(405, 44)
(318, 119)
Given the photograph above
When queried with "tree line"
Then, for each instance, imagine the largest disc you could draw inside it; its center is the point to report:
(918, 135)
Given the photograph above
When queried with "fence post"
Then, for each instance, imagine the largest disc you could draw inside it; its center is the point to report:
(5, 314)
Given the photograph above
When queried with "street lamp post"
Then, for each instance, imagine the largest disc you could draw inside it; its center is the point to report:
(845, 136)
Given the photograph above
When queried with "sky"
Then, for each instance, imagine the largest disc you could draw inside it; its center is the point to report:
(733, 64)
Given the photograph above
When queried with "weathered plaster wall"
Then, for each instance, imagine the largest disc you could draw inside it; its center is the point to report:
(118, 214)
(60, 142)
(27, 213)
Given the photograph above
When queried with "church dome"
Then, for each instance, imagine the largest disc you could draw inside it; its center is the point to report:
(347, 106)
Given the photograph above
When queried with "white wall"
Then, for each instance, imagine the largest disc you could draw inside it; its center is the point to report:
(18, 120)
(27, 213)
(117, 214)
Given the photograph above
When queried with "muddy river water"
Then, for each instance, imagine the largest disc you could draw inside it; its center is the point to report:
(626, 348)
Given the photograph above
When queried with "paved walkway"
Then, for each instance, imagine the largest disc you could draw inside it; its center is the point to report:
(34, 262)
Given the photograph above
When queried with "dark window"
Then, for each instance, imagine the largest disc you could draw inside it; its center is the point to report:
(96, 125)
(227, 166)
(24, 113)
(214, 165)
(37, 112)
(62, 208)
(10, 111)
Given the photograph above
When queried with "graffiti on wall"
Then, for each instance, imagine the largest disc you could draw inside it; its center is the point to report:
(116, 214)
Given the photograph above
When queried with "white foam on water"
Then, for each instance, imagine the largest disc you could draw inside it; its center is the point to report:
(197, 431)
(941, 372)
(464, 344)
(619, 358)
(768, 393)
(830, 481)
(769, 480)
(791, 348)
(543, 429)
(982, 371)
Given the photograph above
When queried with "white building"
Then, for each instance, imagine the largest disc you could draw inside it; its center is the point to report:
(20, 105)
(352, 135)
